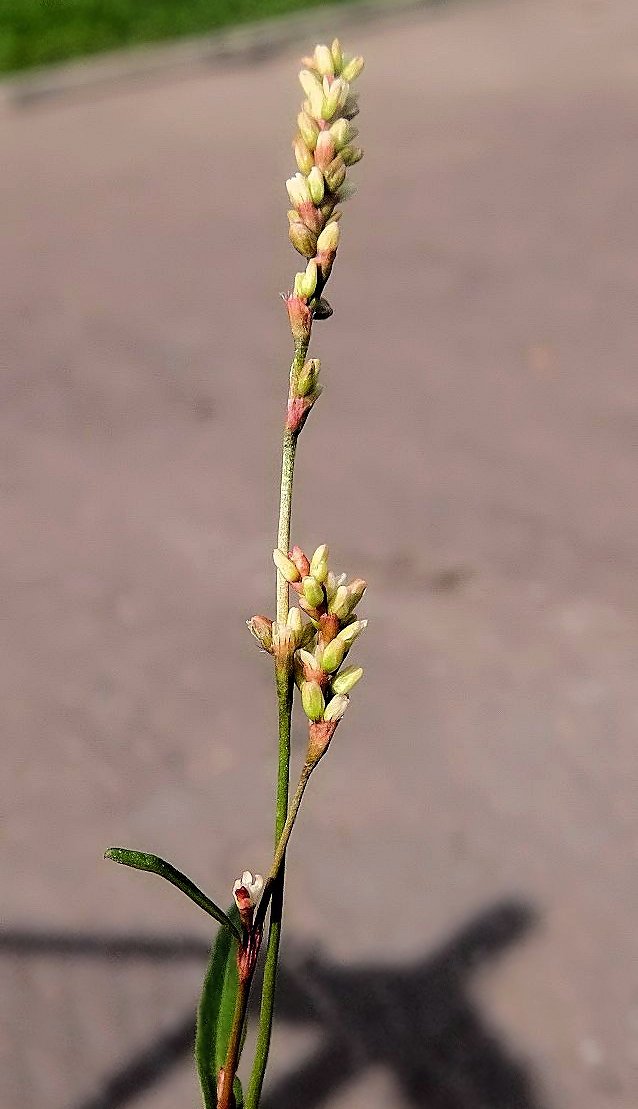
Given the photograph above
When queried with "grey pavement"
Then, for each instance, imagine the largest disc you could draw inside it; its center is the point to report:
(474, 456)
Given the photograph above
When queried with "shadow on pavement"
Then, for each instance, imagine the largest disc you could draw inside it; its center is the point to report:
(417, 1020)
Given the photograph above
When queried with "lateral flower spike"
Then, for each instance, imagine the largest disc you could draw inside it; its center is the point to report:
(323, 153)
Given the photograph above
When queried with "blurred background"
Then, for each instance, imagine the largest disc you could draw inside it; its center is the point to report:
(462, 895)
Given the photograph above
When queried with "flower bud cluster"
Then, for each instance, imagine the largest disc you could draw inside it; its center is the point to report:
(329, 601)
(319, 647)
(324, 150)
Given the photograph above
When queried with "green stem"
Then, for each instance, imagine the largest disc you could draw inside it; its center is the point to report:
(284, 680)
(290, 820)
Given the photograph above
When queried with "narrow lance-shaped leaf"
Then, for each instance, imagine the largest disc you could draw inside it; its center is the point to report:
(140, 860)
(215, 1014)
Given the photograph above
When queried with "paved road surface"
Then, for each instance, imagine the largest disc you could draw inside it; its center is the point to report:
(474, 456)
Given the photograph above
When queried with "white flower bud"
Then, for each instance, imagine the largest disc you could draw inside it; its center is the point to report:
(323, 61)
(335, 708)
(298, 190)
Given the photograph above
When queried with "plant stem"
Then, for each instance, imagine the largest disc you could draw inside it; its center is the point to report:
(284, 681)
(290, 820)
(226, 1099)
(289, 449)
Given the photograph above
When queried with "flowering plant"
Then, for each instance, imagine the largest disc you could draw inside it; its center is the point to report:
(310, 641)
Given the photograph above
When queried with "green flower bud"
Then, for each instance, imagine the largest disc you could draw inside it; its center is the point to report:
(329, 238)
(316, 184)
(356, 589)
(287, 568)
(334, 98)
(323, 61)
(346, 679)
(348, 634)
(312, 700)
(303, 156)
(352, 154)
(308, 129)
(308, 282)
(352, 69)
(337, 55)
(312, 591)
(333, 655)
(302, 238)
(340, 603)
(306, 380)
(319, 563)
(342, 133)
(335, 173)
(336, 708)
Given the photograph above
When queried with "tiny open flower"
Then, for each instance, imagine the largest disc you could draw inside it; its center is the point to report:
(247, 891)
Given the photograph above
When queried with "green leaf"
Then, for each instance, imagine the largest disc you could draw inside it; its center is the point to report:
(215, 1013)
(139, 860)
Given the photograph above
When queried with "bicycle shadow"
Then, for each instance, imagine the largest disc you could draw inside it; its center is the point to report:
(419, 1021)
